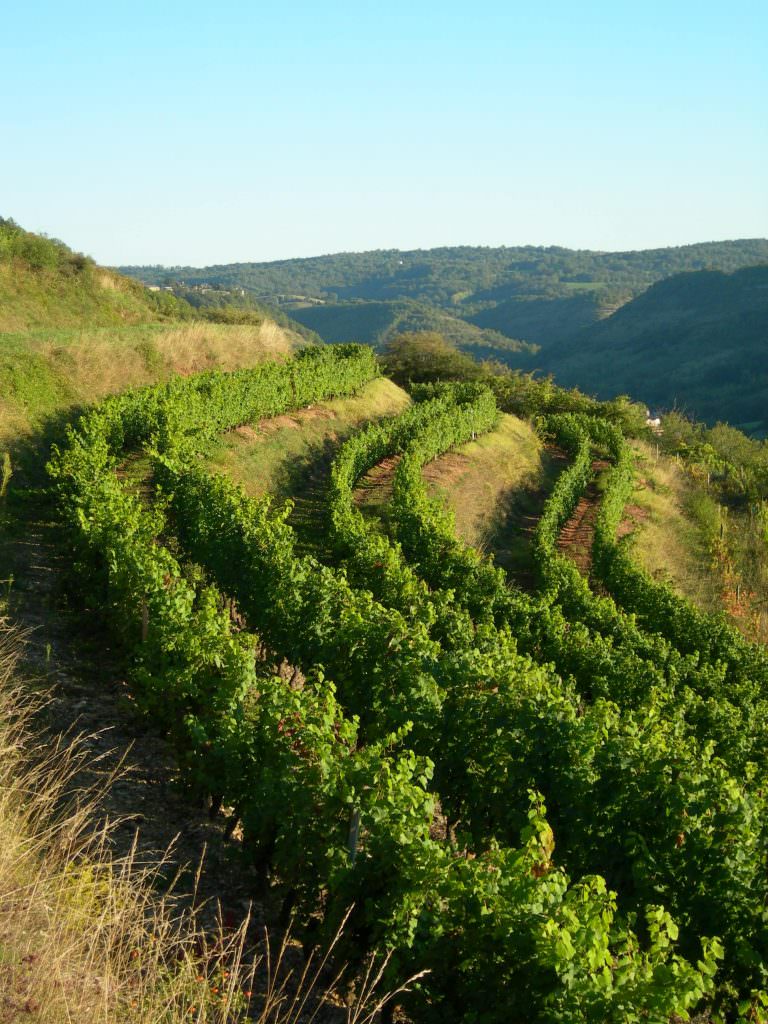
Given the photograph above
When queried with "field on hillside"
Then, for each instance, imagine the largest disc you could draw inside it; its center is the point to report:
(348, 678)
(440, 684)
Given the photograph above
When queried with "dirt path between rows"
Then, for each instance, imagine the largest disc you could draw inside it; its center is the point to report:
(374, 490)
(88, 701)
(513, 543)
(87, 695)
(575, 540)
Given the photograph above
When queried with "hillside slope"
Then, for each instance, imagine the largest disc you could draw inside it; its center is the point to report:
(43, 283)
(698, 341)
(46, 374)
(545, 321)
(291, 691)
(377, 322)
(464, 279)
(72, 332)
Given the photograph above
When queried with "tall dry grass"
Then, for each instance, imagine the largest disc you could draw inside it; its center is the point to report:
(204, 346)
(85, 938)
(96, 363)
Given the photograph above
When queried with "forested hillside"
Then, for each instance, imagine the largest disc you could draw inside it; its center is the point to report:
(529, 293)
(580, 315)
(696, 341)
(377, 322)
(465, 278)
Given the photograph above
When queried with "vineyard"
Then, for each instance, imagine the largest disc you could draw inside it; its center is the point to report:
(551, 800)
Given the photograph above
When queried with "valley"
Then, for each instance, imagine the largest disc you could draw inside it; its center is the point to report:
(667, 326)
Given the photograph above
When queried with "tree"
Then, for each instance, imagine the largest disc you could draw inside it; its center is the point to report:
(421, 356)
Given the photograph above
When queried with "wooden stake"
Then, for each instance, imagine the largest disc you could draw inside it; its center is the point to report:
(354, 834)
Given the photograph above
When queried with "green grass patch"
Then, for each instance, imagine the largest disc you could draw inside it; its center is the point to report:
(496, 487)
(276, 455)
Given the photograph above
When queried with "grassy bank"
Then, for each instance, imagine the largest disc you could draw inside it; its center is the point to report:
(49, 371)
(495, 487)
(675, 525)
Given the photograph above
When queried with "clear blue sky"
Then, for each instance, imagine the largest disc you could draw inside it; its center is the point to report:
(200, 133)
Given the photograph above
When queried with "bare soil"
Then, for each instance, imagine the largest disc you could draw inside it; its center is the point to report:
(575, 540)
(634, 516)
(375, 488)
(446, 470)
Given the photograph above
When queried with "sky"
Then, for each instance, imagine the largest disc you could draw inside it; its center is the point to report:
(193, 134)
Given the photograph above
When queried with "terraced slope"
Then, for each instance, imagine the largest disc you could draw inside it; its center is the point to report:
(451, 693)
(289, 456)
(275, 455)
(383, 726)
(496, 486)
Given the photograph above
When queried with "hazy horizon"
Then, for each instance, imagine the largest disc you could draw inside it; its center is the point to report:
(456, 245)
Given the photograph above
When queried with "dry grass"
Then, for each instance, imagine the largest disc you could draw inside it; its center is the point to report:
(710, 554)
(202, 346)
(93, 366)
(667, 542)
(98, 366)
(108, 281)
(86, 939)
(46, 371)
(479, 480)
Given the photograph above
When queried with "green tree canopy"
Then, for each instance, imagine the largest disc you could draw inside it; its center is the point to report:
(423, 356)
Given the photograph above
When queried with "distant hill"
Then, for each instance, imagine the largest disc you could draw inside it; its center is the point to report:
(463, 279)
(547, 321)
(698, 341)
(490, 301)
(376, 322)
(681, 326)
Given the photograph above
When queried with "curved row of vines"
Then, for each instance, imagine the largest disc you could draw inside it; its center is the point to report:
(404, 771)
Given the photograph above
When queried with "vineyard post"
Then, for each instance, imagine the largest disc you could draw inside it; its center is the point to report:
(354, 833)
